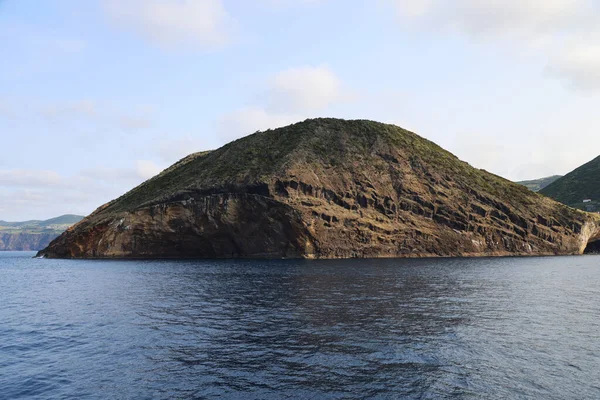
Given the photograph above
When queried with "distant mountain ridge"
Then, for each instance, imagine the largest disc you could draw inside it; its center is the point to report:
(67, 219)
(33, 235)
(538, 184)
(581, 184)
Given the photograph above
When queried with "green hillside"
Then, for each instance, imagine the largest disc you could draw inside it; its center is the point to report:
(33, 234)
(581, 184)
(53, 225)
(314, 143)
(536, 185)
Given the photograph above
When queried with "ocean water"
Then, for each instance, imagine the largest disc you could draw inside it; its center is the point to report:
(504, 328)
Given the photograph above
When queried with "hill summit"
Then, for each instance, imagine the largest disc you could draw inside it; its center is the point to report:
(327, 188)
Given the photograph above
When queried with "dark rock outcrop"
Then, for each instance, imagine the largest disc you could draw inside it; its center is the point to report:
(327, 188)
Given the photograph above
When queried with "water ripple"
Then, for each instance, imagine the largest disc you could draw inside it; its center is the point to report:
(415, 329)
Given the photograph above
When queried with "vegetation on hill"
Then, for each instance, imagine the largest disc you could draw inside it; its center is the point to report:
(538, 184)
(53, 225)
(33, 234)
(581, 184)
(313, 144)
(327, 188)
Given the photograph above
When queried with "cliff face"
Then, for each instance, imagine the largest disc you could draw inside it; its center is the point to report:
(221, 225)
(25, 241)
(327, 188)
(33, 234)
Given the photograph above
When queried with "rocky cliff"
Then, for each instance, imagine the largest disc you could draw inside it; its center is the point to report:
(25, 241)
(34, 234)
(327, 188)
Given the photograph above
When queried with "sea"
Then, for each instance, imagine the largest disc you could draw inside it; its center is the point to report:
(481, 328)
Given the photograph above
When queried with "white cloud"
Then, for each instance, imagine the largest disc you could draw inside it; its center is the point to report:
(27, 178)
(289, 3)
(306, 88)
(248, 120)
(127, 177)
(85, 108)
(26, 204)
(564, 32)
(110, 175)
(578, 64)
(28, 194)
(174, 149)
(133, 120)
(187, 23)
(498, 17)
(36, 178)
(292, 95)
(146, 169)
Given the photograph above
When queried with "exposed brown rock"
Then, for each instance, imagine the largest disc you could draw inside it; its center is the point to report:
(327, 188)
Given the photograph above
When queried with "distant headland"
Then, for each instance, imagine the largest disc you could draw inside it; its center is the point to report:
(33, 235)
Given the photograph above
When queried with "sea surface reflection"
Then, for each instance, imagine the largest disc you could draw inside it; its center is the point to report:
(422, 329)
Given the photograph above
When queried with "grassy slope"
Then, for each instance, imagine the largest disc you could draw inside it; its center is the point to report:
(582, 183)
(263, 155)
(53, 225)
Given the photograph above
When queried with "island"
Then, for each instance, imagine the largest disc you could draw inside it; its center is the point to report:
(327, 188)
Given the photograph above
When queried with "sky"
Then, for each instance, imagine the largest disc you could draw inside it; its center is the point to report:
(98, 95)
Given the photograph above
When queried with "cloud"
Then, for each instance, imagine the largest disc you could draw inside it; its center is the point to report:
(564, 32)
(497, 17)
(175, 149)
(289, 3)
(133, 122)
(26, 204)
(103, 114)
(306, 88)
(14, 203)
(38, 178)
(578, 64)
(175, 23)
(248, 120)
(291, 95)
(86, 108)
(28, 194)
(128, 176)
(147, 169)
(109, 175)
(27, 178)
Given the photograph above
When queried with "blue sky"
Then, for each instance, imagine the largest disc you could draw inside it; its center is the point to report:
(98, 95)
